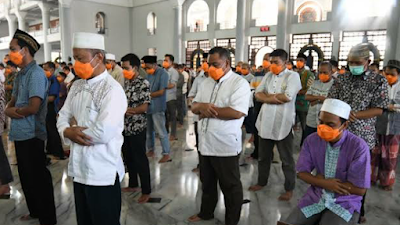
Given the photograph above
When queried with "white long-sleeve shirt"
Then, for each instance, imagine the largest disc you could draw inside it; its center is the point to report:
(69, 78)
(100, 105)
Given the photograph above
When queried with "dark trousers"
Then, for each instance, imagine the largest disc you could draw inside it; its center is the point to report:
(308, 131)
(257, 109)
(225, 171)
(249, 121)
(180, 108)
(285, 148)
(54, 145)
(98, 205)
(5, 170)
(171, 117)
(134, 150)
(36, 180)
(197, 142)
(302, 118)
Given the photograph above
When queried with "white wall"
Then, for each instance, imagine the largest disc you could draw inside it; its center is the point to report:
(163, 38)
(3, 28)
(117, 37)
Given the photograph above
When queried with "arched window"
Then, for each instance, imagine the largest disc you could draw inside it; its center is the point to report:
(309, 12)
(151, 23)
(265, 12)
(226, 14)
(198, 16)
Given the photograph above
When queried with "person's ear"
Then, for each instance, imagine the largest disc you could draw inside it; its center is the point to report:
(345, 125)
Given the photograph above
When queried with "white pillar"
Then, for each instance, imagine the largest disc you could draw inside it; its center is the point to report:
(337, 15)
(12, 24)
(21, 19)
(240, 31)
(285, 19)
(212, 23)
(65, 31)
(392, 33)
(46, 22)
(178, 43)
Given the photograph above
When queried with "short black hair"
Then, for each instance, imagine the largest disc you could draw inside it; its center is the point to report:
(2, 65)
(326, 63)
(133, 60)
(302, 56)
(375, 64)
(63, 74)
(342, 120)
(279, 53)
(181, 66)
(22, 44)
(51, 65)
(10, 63)
(390, 67)
(69, 64)
(222, 52)
(63, 64)
(66, 68)
(171, 57)
(334, 63)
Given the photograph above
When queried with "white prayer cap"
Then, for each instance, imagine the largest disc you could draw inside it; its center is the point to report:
(336, 107)
(88, 41)
(110, 56)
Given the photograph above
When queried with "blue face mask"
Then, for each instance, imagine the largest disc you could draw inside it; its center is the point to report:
(357, 70)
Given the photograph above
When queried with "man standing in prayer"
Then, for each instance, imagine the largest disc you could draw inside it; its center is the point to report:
(137, 90)
(367, 94)
(27, 110)
(98, 104)
(342, 164)
(158, 79)
(277, 91)
(222, 103)
(171, 112)
(114, 69)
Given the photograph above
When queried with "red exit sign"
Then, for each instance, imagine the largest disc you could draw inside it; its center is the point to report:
(264, 29)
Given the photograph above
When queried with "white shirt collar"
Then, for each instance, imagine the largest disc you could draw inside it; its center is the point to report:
(227, 75)
(98, 78)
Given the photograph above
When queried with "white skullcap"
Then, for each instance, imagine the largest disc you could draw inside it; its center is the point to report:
(88, 41)
(336, 107)
(110, 56)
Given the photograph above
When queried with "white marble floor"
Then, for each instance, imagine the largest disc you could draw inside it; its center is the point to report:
(180, 191)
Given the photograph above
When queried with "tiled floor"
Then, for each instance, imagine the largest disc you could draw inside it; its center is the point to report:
(180, 191)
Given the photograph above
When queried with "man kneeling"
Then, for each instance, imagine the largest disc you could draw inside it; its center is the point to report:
(342, 164)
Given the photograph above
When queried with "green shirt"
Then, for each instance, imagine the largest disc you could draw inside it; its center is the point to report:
(307, 79)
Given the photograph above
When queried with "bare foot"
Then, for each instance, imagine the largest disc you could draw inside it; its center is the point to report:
(164, 159)
(143, 199)
(388, 188)
(286, 196)
(362, 220)
(172, 138)
(130, 189)
(4, 189)
(255, 187)
(150, 154)
(26, 218)
(251, 140)
(194, 218)
(196, 170)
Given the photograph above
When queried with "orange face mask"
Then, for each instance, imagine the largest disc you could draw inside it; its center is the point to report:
(391, 79)
(245, 71)
(48, 73)
(108, 66)
(266, 64)
(16, 57)
(238, 69)
(299, 64)
(143, 65)
(7, 72)
(205, 67)
(324, 77)
(289, 66)
(275, 69)
(150, 71)
(342, 71)
(84, 70)
(60, 79)
(327, 133)
(128, 74)
(215, 73)
(165, 64)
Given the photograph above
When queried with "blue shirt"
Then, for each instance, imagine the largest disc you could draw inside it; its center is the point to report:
(54, 90)
(158, 81)
(30, 82)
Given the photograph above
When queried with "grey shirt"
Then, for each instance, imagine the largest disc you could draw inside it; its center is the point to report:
(30, 82)
(173, 79)
(318, 88)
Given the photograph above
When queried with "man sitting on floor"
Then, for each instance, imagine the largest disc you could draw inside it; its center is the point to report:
(342, 163)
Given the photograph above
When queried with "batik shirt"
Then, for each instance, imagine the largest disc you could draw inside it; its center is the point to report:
(362, 92)
(138, 93)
